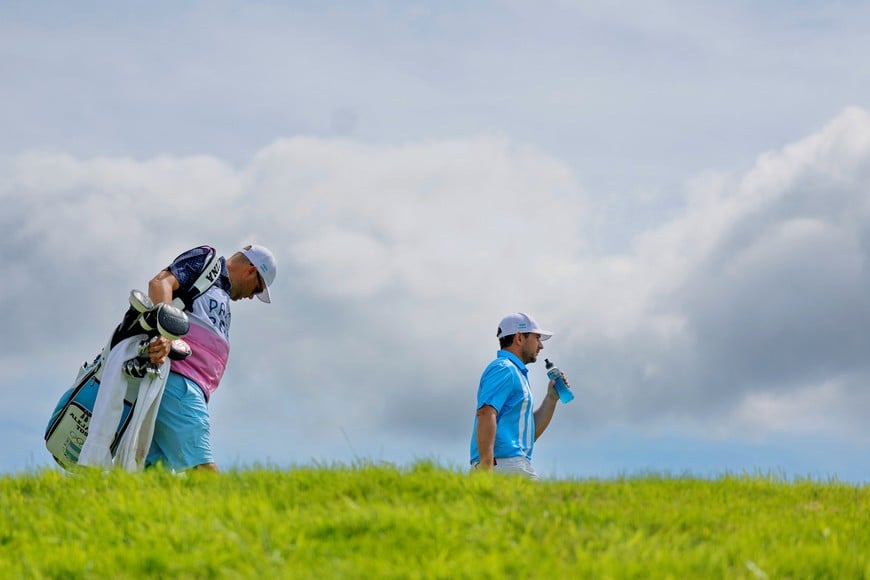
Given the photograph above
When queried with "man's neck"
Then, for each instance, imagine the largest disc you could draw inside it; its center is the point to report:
(514, 350)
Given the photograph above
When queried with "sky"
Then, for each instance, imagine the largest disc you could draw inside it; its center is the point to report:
(679, 191)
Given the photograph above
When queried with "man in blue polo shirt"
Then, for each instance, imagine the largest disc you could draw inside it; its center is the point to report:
(506, 427)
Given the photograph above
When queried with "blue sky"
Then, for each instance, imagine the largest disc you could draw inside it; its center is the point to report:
(678, 191)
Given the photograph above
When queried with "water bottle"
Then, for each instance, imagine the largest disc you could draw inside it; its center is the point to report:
(565, 394)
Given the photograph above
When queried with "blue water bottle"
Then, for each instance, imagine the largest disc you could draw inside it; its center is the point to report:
(565, 394)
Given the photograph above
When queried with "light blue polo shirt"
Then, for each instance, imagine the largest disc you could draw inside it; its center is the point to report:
(504, 386)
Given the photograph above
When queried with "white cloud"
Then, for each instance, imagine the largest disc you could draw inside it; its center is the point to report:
(765, 277)
(814, 410)
(396, 262)
(387, 256)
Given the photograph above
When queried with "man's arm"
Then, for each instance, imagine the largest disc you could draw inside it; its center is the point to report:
(160, 289)
(486, 427)
(545, 412)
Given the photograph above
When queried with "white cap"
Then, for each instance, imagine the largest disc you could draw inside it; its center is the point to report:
(520, 323)
(264, 261)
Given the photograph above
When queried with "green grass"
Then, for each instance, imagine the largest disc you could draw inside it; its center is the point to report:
(427, 522)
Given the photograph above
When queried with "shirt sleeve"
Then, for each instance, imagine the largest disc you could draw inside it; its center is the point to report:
(496, 385)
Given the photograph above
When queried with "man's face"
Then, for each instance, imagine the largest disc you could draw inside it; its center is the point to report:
(530, 346)
(247, 284)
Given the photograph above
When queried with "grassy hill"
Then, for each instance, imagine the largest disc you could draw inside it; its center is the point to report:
(427, 522)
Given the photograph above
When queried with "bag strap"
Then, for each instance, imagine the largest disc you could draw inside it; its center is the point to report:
(206, 280)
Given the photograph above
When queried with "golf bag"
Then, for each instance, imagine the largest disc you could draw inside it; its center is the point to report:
(68, 426)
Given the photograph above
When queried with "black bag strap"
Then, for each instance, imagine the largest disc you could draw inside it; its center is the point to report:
(210, 274)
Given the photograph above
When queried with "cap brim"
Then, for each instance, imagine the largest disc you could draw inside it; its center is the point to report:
(264, 296)
(545, 334)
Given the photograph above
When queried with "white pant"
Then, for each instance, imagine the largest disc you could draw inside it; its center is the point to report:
(515, 466)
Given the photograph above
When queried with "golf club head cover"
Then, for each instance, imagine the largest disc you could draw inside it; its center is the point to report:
(130, 325)
(167, 320)
(140, 302)
(179, 350)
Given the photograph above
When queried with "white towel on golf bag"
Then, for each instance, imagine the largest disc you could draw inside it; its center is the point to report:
(136, 441)
(109, 406)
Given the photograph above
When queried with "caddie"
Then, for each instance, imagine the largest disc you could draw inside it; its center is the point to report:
(182, 429)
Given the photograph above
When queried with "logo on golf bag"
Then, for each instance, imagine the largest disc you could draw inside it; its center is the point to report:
(68, 426)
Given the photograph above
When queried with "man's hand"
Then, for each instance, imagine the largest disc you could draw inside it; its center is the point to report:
(552, 393)
(158, 349)
(486, 464)
(486, 427)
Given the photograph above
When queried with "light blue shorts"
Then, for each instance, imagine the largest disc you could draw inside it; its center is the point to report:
(181, 431)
